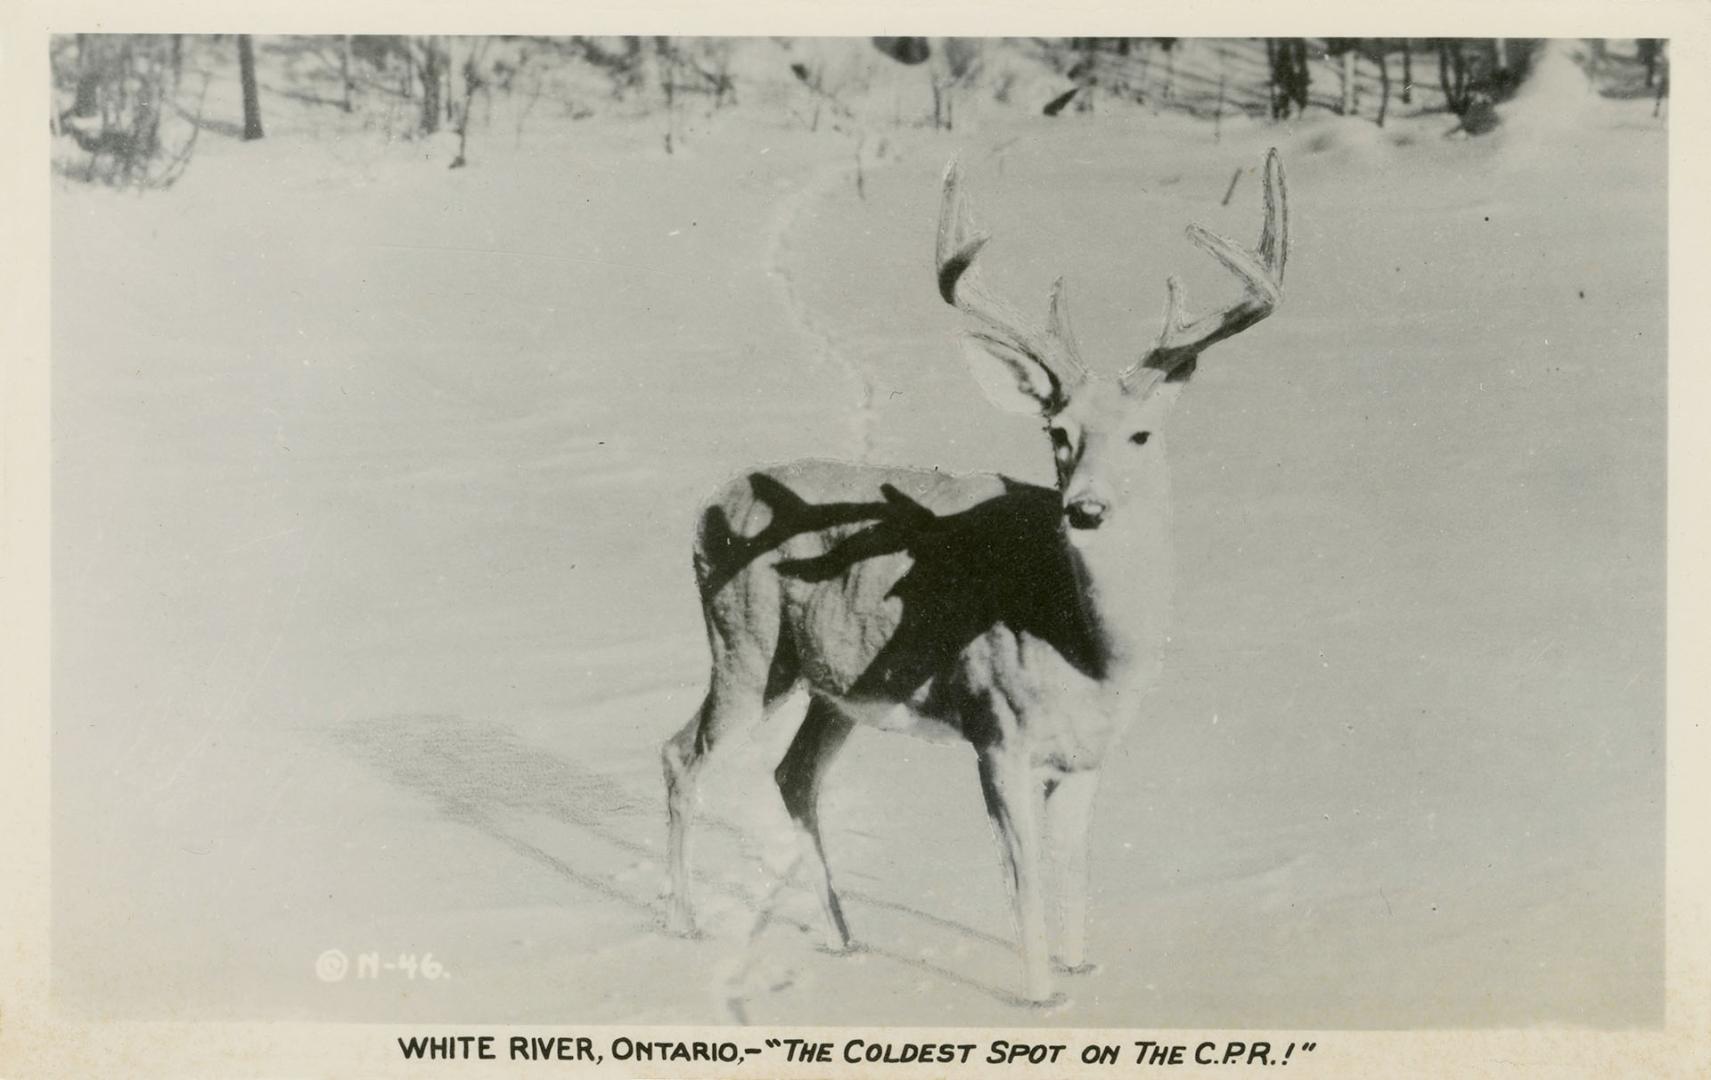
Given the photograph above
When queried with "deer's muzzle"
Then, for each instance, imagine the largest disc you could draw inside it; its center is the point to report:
(1085, 513)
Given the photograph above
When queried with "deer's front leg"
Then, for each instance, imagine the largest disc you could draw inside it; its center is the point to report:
(1069, 812)
(1014, 795)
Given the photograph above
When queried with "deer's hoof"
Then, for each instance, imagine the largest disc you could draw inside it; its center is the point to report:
(1050, 1002)
(1087, 968)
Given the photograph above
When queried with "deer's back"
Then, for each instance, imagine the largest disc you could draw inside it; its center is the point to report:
(888, 583)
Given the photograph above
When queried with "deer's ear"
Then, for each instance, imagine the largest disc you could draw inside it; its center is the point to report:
(1012, 378)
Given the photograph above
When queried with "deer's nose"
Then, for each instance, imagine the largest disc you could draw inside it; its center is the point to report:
(1086, 513)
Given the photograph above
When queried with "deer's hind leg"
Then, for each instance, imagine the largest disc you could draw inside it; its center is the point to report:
(750, 672)
(799, 774)
(681, 757)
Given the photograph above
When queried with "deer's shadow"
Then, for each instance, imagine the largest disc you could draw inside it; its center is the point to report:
(937, 579)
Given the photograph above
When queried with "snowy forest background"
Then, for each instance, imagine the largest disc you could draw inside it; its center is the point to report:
(131, 108)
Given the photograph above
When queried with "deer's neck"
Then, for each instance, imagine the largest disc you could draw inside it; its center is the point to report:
(1124, 574)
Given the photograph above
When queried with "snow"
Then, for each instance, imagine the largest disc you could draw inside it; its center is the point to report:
(373, 489)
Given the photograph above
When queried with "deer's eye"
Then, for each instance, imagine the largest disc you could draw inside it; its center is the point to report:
(1140, 438)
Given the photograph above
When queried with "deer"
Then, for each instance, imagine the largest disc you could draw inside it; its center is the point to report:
(1024, 620)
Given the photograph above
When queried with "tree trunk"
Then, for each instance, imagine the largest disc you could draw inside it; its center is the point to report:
(345, 71)
(1349, 81)
(449, 69)
(1407, 71)
(1287, 59)
(1647, 50)
(1444, 74)
(1383, 83)
(1218, 116)
(472, 82)
(1452, 75)
(1303, 80)
(252, 100)
(1463, 100)
(1271, 75)
(668, 84)
(431, 80)
(88, 79)
(1661, 59)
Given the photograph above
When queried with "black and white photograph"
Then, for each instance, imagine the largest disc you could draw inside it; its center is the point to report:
(681, 533)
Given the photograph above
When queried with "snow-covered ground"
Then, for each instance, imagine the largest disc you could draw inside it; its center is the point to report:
(373, 490)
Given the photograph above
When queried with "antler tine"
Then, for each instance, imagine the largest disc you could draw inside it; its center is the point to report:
(1058, 326)
(958, 243)
(1274, 235)
(961, 286)
(1261, 273)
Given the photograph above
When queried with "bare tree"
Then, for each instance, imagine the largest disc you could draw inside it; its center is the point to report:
(950, 64)
(345, 79)
(120, 88)
(1380, 58)
(1289, 75)
(473, 82)
(666, 57)
(431, 71)
(88, 77)
(1453, 75)
(1648, 51)
(1348, 70)
(1657, 67)
(252, 99)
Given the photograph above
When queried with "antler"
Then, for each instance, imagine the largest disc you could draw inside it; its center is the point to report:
(962, 287)
(1260, 270)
